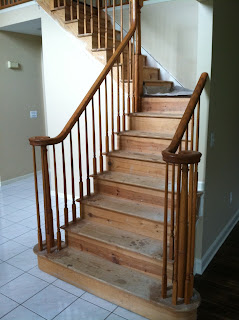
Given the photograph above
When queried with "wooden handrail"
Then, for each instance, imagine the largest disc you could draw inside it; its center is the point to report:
(4, 5)
(186, 156)
(44, 141)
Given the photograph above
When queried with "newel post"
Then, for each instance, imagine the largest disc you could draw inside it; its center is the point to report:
(183, 233)
(47, 200)
(138, 60)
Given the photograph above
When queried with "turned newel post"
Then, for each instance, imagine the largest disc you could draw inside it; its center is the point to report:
(138, 62)
(183, 232)
(47, 200)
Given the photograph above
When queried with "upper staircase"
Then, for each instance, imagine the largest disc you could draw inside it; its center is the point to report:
(125, 166)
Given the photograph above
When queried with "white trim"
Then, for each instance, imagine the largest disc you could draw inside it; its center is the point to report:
(6, 182)
(201, 186)
(201, 264)
(19, 6)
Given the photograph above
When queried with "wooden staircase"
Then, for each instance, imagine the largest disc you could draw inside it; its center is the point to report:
(130, 227)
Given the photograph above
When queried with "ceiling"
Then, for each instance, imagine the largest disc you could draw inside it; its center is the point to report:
(28, 27)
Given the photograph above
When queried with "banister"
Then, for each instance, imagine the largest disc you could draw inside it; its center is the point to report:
(44, 141)
(184, 157)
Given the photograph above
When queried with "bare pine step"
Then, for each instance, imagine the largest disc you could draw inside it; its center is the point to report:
(126, 287)
(126, 207)
(164, 104)
(159, 83)
(145, 134)
(132, 187)
(158, 114)
(137, 156)
(118, 246)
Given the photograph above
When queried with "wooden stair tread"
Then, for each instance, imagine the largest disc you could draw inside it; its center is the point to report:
(149, 114)
(157, 82)
(128, 207)
(123, 278)
(137, 156)
(133, 180)
(119, 238)
(149, 135)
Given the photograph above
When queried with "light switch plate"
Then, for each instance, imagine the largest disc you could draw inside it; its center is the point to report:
(33, 114)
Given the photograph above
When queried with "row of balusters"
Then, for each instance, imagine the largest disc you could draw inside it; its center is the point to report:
(180, 209)
(9, 3)
(94, 19)
(76, 159)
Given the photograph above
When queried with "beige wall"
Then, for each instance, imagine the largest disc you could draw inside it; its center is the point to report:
(222, 173)
(170, 35)
(20, 92)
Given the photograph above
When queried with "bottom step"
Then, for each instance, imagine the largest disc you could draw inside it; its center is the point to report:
(120, 285)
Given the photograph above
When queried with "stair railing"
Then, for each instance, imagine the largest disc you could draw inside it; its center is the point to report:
(9, 3)
(181, 179)
(70, 160)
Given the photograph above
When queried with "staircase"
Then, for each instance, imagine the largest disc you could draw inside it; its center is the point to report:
(130, 226)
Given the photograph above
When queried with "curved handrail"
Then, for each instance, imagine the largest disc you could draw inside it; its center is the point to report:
(44, 141)
(186, 156)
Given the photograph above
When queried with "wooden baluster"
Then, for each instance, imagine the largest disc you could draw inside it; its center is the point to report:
(128, 89)
(100, 134)
(47, 200)
(187, 293)
(99, 20)
(77, 10)
(133, 76)
(165, 237)
(186, 139)
(80, 161)
(40, 247)
(106, 120)
(175, 268)
(123, 92)
(183, 231)
(65, 186)
(121, 21)
(72, 10)
(192, 132)
(114, 35)
(91, 17)
(137, 58)
(58, 3)
(57, 202)
(93, 136)
(72, 181)
(112, 112)
(130, 43)
(87, 156)
(171, 246)
(198, 124)
(194, 211)
(106, 25)
(85, 18)
(118, 99)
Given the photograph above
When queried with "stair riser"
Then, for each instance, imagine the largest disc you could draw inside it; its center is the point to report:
(113, 294)
(169, 105)
(118, 255)
(141, 168)
(150, 74)
(129, 192)
(149, 124)
(124, 222)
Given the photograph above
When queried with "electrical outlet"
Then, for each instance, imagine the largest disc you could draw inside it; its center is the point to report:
(212, 140)
(230, 197)
(33, 114)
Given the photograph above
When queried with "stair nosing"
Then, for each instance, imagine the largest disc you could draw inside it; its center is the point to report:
(156, 115)
(115, 154)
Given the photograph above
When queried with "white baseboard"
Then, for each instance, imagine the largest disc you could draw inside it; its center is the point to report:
(200, 265)
(6, 182)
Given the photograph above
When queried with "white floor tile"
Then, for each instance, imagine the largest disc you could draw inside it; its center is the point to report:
(21, 313)
(8, 273)
(23, 287)
(6, 210)
(10, 249)
(99, 302)
(28, 239)
(31, 222)
(22, 203)
(5, 223)
(14, 231)
(128, 314)
(115, 317)
(6, 305)
(68, 287)
(42, 275)
(83, 310)
(50, 302)
(25, 260)
(19, 215)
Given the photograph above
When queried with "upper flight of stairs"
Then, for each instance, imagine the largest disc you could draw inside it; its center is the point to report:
(150, 76)
(115, 248)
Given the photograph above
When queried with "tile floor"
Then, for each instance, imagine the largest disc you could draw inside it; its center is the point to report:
(25, 291)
